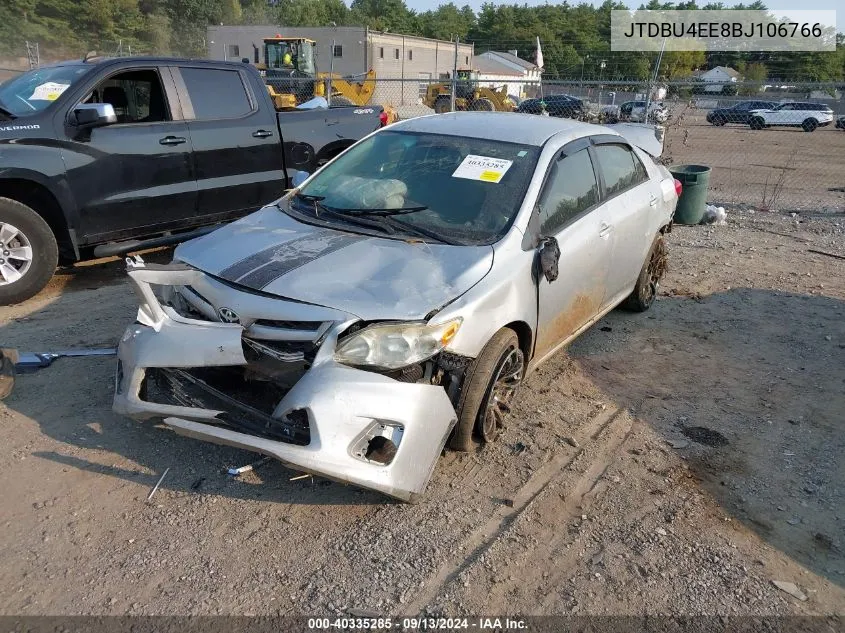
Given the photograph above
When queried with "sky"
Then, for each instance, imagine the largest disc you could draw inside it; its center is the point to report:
(818, 5)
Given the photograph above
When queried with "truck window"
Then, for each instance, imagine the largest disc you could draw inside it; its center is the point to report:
(216, 94)
(137, 96)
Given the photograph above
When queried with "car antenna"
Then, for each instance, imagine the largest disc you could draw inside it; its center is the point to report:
(89, 55)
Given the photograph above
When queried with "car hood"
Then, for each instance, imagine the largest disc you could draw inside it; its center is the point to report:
(370, 277)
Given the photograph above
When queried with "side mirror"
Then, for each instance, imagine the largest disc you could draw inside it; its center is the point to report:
(299, 177)
(91, 115)
(549, 258)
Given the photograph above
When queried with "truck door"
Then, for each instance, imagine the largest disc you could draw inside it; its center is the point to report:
(134, 176)
(237, 149)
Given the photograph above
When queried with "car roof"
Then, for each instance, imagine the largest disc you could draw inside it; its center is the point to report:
(508, 127)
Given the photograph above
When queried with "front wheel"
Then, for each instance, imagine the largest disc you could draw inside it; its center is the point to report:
(648, 282)
(809, 125)
(28, 252)
(490, 386)
(482, 105)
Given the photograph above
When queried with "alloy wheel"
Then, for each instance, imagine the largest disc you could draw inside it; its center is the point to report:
(506, 379)
(15, 254)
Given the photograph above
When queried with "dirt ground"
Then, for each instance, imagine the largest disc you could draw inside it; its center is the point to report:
(679, 461)
(785, 169)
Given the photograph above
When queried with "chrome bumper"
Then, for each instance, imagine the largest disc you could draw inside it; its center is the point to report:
(346, 407)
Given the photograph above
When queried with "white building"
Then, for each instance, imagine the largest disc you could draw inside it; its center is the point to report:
(496, 68)
(716, 78)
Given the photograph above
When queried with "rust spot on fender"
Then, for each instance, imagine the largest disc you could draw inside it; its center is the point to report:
(580, 310)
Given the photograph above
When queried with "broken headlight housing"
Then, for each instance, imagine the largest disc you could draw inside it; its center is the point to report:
(395, 345)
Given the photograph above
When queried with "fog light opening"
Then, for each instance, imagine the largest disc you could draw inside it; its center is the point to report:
(380, 450)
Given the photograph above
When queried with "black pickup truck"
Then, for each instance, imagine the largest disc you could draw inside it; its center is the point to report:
(104, 156)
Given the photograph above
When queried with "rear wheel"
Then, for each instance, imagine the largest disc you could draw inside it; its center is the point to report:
(648, 282)
(490, 386)
(809, 125)
(28, 252)
(757, 123)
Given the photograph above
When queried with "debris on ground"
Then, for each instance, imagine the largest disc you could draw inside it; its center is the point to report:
(715, 215)
(790, 588)
(245, 469)
(160, 479)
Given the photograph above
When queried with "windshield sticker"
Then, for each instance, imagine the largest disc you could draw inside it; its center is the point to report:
(482, 168)
(522, 153)
(48, 92)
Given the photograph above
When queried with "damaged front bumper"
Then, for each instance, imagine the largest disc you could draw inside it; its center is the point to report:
(269, 384)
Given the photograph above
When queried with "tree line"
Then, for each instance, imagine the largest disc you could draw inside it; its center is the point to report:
(575, 38)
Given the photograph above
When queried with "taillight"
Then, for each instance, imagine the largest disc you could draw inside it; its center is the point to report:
(383, 118)
(678, 187)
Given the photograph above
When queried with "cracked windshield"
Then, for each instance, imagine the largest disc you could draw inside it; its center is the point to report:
(459, 190)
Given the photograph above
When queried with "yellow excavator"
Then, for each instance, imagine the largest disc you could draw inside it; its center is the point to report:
(290, 72)
(468, 95)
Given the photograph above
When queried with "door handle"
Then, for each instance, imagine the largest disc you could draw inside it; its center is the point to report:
(605, 229)
(173, 140)
(262, 134)
(653, 201)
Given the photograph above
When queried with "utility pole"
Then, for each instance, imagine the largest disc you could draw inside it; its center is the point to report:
(331, 73)
(33, 54)
(455, 74)
(654, 76)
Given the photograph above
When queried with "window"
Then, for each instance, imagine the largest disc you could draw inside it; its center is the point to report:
(620, 167)
(396, 53)
(570, 190)
(136, 96)
(381, 52)
(216, 94)
(338, 50)
(410, 55)
(33, 91)
(234, 50)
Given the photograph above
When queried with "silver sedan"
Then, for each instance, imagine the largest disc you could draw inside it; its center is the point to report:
(394, 301)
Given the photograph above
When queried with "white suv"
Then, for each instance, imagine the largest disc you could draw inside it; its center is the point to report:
(807, 116)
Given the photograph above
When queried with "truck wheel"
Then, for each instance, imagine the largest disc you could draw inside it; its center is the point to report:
(652, 271)
(809, 125)
(482, 105)
(28, 252)
(757, 123)
(442, 105)
(490, 385)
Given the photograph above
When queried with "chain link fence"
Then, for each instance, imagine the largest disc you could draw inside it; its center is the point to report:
(779, 167)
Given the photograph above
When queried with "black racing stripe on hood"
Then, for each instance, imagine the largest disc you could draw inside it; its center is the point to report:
(283, 258)
(251, 262)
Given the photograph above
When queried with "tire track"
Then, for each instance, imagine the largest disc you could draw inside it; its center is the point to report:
(481, 539)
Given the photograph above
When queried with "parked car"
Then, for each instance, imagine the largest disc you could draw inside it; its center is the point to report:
(739, 112)
(840, 122)
(98, 155)
(398, 297)
(807, 116)
(635, 111)
(556, 105)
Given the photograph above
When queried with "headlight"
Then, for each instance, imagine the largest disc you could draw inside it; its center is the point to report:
(397, 345)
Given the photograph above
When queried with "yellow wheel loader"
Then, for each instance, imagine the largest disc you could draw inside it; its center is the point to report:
(468, 95)
(290, 72)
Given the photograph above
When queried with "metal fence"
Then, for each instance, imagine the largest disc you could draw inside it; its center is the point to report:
(775, 168)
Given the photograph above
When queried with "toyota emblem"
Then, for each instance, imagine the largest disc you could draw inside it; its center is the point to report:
(227, 315)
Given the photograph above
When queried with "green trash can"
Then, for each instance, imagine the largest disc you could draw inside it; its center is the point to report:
(694, 181)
